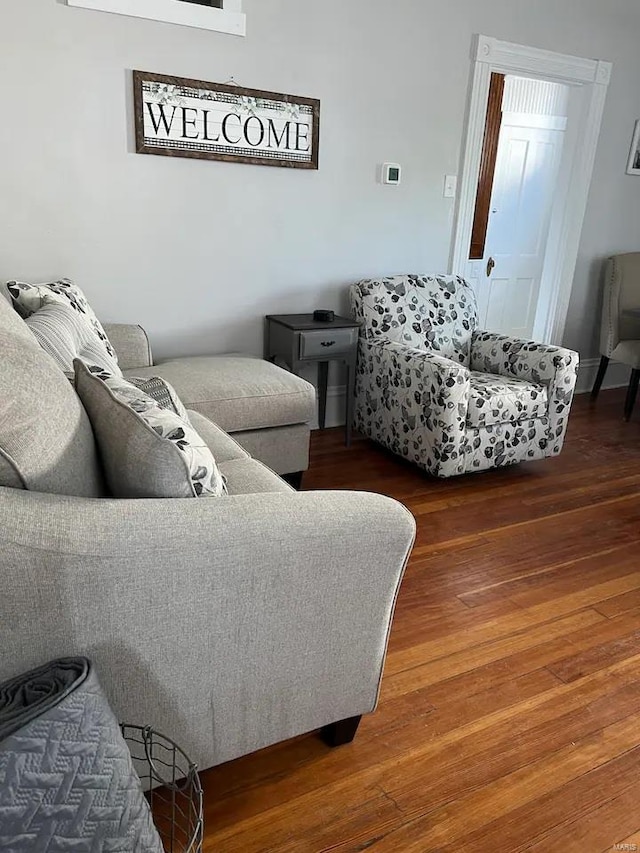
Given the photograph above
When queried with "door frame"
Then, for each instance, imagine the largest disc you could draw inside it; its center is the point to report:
(593, 76)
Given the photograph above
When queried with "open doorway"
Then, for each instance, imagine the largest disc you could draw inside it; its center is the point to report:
(519, 187)
(523, 191)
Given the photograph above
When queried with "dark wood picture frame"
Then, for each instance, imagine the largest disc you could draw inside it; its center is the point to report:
(141, 77)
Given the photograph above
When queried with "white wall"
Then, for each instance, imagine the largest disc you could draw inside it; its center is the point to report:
(199, 251)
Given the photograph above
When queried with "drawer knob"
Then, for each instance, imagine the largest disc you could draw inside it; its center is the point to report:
(327, 343)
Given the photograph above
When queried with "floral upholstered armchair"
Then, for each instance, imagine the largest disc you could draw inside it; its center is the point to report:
(433, 388)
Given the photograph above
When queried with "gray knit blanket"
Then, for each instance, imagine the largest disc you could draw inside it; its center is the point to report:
(67, 782)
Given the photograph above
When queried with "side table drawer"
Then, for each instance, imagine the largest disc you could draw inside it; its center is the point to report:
(332, 342)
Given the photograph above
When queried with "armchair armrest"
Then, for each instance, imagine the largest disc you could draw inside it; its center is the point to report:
(228, 623)
(442, 372)
(555, 367)
(415, 402)
(131, 345)
(528, 360)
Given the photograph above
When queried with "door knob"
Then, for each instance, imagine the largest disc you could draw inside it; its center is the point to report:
(490, 265)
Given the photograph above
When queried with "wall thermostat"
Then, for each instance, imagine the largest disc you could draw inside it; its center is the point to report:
(391, 173)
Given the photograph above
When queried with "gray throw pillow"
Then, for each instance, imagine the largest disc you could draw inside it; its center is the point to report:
(46, 440)
(147, 451)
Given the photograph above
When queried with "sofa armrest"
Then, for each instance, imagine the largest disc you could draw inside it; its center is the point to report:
(418, 402)
(227, 623)
(131, 345)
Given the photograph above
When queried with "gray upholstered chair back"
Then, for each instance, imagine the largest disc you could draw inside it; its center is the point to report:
(432, 312)
(621, 292)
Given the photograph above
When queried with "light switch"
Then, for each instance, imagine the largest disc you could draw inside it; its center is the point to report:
(450, 186)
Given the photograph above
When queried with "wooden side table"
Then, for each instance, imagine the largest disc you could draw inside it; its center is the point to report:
(298, 339)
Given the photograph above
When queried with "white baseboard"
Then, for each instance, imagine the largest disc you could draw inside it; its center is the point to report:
(617, 376)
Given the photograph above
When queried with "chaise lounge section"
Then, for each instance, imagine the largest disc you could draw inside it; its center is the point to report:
(267, 409)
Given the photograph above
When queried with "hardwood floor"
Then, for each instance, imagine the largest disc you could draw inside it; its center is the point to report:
(510, 711)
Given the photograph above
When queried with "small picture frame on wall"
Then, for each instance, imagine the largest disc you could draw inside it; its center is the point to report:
(633, 166)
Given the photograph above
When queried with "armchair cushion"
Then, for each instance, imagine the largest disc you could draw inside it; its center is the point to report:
(554, 367)
(500, 399)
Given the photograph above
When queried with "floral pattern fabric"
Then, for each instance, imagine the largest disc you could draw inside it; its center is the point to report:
(505, 444)
(414, 403)
(498, 399)
(554, 367)
(436, 313)
(471, 401)
(162, 392)
(29, 298)
(65, 335)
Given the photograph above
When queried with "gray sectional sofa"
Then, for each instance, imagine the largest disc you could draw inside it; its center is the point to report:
(227, 623)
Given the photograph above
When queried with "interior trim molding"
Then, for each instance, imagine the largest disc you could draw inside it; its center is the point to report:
(533, 60)
(229, 20)
(593, 76)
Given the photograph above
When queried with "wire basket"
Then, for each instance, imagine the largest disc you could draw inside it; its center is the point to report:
(172, 787)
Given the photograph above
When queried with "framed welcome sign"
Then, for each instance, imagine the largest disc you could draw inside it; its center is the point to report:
(215, 121)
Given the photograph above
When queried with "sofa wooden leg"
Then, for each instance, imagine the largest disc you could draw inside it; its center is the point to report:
(344, 731)
(294, 480)
(602, 369)
(631, 394)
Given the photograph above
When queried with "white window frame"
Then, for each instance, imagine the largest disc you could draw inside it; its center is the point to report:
(230, 19)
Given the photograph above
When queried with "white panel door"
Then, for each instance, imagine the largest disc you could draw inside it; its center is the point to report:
(527, 167)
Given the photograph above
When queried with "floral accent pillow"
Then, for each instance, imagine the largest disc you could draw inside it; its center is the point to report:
(29, 298)
(161, 391)
(147, 451)
(65, 335)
